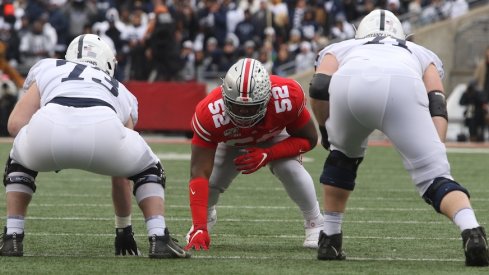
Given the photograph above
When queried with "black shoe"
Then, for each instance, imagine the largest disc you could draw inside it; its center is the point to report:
(475, 247)
(124, 242)
(165, 247)
(11, 245)
(330, 247)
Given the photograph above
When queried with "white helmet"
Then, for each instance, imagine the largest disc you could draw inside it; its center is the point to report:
(91, 49)
(380, 23)
(246, 91)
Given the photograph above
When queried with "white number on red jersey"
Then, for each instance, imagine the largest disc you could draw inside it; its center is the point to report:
(216, 108)
(282, 100)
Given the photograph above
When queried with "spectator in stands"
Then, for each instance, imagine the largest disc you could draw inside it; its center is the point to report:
(187, 23)
(262, 18)
(249, 50)
(114, 28)
(433, 12)
(234, 14)
(342, 29)
(79, 13)
(297, 14)
(455, 8)
(163, 48)
(213, 58)
(294, 43)
(12, 42)
(229, 54)
(7, 69)
(476, 110)
(59, 22)
(310, 27)
(10, 83)
(34, 46)
(200, 61)
(245, 30)
(48, 29)
(481, 74)
(265, 59)
(187, 73)
(212, 19)
(280, 13)
(134, 35)
(304, 61)
(284, 64)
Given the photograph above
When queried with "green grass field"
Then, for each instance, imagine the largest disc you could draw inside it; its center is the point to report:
(387, 229)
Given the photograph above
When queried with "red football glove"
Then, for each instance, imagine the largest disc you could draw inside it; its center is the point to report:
(199, 239)
(254, 159)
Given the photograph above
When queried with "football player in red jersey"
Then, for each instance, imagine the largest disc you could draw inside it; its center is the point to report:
(250, 121)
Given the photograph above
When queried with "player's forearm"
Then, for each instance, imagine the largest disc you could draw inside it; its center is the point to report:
(199, 199)
(320, 109)
(289, 147)
(441, 125)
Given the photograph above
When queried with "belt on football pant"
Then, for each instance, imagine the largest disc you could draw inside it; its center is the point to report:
(80, 102)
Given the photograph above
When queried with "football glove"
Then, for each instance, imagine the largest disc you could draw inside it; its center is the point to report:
(254, 159)
(125, 243)
(199, 239)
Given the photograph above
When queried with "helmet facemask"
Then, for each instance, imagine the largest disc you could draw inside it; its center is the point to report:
(246, 92)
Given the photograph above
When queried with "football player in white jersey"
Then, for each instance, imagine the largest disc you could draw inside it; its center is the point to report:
(75, 115)
(381, 81)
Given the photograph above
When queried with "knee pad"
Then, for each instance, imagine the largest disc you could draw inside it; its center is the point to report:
(439, 189)
(340, 171)
(154, 174)
(15, 173)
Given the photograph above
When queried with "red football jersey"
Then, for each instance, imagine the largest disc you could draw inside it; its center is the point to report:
(286, 109)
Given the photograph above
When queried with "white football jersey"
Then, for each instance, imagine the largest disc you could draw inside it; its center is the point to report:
(61, 78)
(384, 49)
(93, 139)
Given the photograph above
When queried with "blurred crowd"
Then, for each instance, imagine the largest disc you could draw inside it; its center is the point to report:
(189, 40)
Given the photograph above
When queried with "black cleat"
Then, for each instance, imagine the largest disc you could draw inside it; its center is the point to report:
(124, 242)
(11, 245)
(165, 247)
(475, 247)
(330, 247)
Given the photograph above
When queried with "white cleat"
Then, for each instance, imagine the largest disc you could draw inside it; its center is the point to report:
(312, 228)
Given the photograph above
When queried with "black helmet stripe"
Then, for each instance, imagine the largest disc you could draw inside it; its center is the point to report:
(382, 20)
(80, 46)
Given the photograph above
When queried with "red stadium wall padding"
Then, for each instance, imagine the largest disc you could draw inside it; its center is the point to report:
(166, 106)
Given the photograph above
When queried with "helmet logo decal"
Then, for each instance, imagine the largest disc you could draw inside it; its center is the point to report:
(80, 46)
(90, 53)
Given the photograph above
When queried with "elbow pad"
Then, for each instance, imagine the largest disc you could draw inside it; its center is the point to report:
(438, 104)
(319, 86)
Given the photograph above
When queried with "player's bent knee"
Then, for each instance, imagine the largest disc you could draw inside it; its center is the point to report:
(340, 171)
(16, 174)
(439, 189)
(154, 174)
